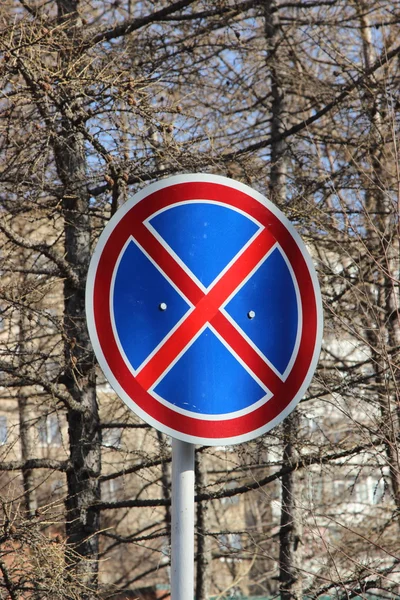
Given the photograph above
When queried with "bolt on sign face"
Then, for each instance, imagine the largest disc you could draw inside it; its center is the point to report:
(204, 309)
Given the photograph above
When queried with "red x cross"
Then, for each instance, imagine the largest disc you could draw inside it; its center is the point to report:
(207, 308)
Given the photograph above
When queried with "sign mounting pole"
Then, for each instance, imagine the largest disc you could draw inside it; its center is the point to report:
(182, 520)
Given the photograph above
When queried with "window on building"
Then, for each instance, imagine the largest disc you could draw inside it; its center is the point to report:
(229, 542)
(316, 488)
(57, 487)
(367, 490)
(370, 490)
(111, 438)
(3, 430)
(52, 368)
(231, 485)
(362, 492)
(339, 490)
(49, 431)
(311, 424)
(110, 490)
(378, 490)
(317, 491)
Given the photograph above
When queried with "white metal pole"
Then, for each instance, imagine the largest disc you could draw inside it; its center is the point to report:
(182, 517)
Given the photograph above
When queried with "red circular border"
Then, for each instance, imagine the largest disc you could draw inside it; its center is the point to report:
(190, 426)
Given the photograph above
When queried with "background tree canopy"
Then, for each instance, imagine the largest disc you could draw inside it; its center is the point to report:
(300, 100)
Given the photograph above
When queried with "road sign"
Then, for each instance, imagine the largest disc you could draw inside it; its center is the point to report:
(204, 309)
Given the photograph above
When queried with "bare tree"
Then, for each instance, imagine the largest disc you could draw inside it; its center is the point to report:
(297, 99)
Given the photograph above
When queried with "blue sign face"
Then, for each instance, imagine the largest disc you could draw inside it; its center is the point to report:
(205, 315)
(208, 378)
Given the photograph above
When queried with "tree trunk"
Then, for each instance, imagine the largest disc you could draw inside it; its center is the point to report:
(382, 240)
(290, 528)
(279, 160)
(165, 482)
(25, 429)
(290, 533)
(83, 424)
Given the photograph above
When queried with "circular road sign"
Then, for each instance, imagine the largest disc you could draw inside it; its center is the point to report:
(204, 309)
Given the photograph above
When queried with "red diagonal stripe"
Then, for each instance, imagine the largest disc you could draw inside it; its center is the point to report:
(168, 264)
(205, 309)
(246, 352)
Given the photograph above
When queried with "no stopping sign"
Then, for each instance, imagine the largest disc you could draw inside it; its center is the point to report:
(204, 309)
